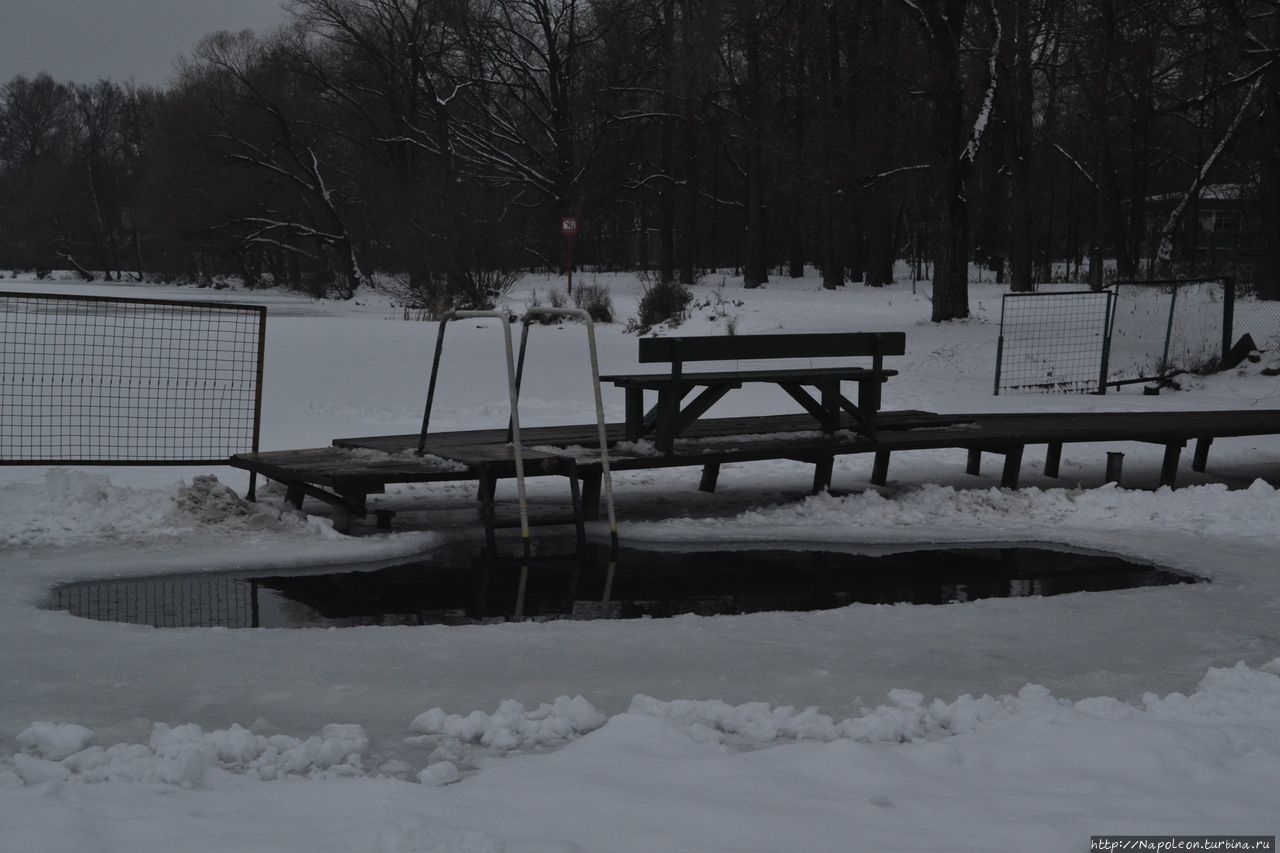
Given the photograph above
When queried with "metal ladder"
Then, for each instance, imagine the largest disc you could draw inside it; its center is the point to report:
(514, 377)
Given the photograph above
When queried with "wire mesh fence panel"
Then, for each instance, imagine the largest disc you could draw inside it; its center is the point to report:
(1166, 327)
(109, 380)
(165, 602)
(1052, 341)
(1258, 318)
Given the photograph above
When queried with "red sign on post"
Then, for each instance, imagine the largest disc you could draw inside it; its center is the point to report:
(569, 228)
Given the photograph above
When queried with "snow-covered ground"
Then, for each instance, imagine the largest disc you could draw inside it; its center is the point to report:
(1003, 724)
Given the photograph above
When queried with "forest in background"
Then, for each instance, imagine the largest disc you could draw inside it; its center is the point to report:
(442, 142)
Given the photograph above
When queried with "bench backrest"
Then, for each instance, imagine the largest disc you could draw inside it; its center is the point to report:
(741, 347)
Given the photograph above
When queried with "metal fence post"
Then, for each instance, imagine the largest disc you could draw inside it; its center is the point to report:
(1105, 368)
(1168, 332)
(1228, 315)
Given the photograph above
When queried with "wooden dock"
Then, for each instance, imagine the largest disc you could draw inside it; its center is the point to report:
(353, 468)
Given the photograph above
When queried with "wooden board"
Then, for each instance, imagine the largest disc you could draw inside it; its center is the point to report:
(368, 463)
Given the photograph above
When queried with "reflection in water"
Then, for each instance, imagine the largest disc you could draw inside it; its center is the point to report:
(454, 586)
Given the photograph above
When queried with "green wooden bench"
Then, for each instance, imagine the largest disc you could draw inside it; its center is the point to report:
(671, 416)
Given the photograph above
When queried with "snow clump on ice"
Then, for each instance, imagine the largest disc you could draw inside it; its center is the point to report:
(184, 755)
(55, 741)
(512, 727)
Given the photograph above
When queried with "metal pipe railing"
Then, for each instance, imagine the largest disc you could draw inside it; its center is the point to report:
(517, 451)
(602, 432)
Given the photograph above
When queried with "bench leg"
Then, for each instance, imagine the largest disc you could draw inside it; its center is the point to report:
(829, 397)
(293, 495)
(635, 413)
(1012, 467)
(668, 411)
(710, 473)
(1053, 459)
(880, 468)
(869, 401)
(1200, 460)
(822, 474)
(974, 464)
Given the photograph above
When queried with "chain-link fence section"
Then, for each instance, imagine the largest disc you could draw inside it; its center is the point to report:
(1052, 341)
(107, 380)
(1258, 318)
(1164, 327)
(165, 602)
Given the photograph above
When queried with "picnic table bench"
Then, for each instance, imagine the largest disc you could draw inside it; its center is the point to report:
(671, 416)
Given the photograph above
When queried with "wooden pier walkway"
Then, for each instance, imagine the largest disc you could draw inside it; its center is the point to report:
(345, 474)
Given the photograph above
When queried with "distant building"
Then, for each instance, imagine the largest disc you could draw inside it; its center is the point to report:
(1218, 227)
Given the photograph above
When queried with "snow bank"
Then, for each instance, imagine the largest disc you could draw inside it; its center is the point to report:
(1233, 713)
(1223, 693)
(869, 516)
(74, 507)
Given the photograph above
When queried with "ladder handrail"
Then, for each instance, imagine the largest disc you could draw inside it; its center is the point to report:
(517, 451)
(539, 312)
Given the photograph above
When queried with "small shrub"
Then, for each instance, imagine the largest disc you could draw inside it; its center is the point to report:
(430, 297)
(595, 300)
(557, 298)
(662, 302)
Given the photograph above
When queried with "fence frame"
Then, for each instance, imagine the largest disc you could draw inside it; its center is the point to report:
(260, 358)
(1108, 320)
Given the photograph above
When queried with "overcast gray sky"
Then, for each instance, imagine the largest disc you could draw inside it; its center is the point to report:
(84, 40)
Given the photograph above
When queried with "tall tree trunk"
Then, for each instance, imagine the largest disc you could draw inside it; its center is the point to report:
(951, 238)
(832, 267)
(1266, 274)
(666, 189)
(1018, 124)
(755, 267)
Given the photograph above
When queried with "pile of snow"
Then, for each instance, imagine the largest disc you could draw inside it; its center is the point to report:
(1223, 693)
(182, 755)
(74, 507)
(511, 726)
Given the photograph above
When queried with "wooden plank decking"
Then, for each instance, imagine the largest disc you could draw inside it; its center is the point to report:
(344, 474)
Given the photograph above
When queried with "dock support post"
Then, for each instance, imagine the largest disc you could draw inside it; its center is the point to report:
(974, 465)
(1169, 468)
(575, 497)
(341, 519)
(822, 474)
(1053, 459)
(710, 473)
(1200, 460)
(1115, 467)
(487, 488)
(1012, 467)
(591, 478)
(880, 468)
